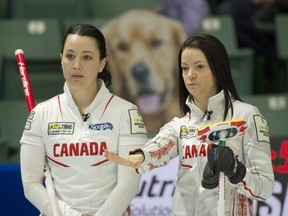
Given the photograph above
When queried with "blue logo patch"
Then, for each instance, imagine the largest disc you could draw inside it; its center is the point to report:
(101, 126)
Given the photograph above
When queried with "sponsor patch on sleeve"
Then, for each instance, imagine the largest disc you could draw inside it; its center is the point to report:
(136, 122)
(261, 128)
(29, 120)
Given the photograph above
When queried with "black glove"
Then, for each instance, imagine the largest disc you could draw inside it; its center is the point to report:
(210, 179)
(222, 159)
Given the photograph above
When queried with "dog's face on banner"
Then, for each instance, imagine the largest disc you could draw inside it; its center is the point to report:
(143, 48)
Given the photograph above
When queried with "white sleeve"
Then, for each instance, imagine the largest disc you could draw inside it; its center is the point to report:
(32, 160)
(259, 180)
(122, 195)
(131, 137)
(161, 149)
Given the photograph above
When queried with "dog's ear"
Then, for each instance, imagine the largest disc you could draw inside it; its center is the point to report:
(108, 27)
(117, 81)
(109, 31)
(179, 33)
(179, 36)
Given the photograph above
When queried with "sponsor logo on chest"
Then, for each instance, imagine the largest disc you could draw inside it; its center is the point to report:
(187, 133)
(101, 126)
(55, 128)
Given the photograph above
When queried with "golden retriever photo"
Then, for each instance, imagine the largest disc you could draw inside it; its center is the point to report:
(143, 50)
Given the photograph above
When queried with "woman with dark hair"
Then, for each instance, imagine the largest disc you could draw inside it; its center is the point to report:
(72, 130)
(208, 96)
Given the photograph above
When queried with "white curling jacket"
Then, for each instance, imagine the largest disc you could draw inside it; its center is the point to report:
(84, 180)
(178, 138)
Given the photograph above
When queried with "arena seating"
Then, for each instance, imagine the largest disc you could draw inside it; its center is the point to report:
(41, 42)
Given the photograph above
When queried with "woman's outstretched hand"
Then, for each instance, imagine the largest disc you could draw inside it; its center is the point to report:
(133, 161)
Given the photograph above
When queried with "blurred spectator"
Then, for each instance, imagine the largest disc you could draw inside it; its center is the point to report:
(188, 12)
(267, 12)
(243, 12)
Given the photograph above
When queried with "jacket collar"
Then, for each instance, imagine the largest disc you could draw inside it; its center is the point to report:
(216, 104)
(101, 95)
